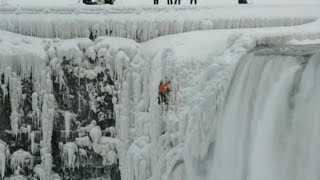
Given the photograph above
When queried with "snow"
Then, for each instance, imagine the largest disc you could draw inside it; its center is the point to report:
(304, 42)
(17, 177)
(150, 23)
(148, 141)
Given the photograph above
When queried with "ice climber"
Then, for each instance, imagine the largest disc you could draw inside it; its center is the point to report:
(195, 1)
(163, 92)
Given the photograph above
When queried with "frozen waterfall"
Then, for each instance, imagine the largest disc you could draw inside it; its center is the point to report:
(269, 126)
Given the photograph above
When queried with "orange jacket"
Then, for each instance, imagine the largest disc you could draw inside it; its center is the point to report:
(163, 87)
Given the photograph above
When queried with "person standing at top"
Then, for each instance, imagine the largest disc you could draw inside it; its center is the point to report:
(156, 2)
(89, 2)
(242, 1)
(170, 2)
(177, 1)
(195, 1)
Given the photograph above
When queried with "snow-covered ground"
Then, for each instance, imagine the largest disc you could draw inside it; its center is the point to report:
(150, 2)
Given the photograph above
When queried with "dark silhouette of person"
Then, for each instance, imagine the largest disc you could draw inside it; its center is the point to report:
(177, 1)
(195, 1)
(89, 2)
(242, 1)
(170, 2)
(156, 1)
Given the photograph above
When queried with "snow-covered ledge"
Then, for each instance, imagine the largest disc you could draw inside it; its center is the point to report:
(143, 24)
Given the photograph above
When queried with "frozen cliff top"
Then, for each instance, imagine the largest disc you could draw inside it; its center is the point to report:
(147, 22)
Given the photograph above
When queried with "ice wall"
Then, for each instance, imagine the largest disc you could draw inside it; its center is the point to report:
(182, 142)
(87, 107)
(143, 24)
(58, 100)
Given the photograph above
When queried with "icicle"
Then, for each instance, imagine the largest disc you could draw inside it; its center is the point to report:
(19, 159)
(46, 161)
(121, 62)
(68, 117)
(40, 173)
(7, 75)
(3, 150)
(2, 164)
(15, 118)
(33, 145)
(69, 154)
(47, 118)
(5, 92)
(49, 86)
(34, 101)
(29, 131)
(95, 134)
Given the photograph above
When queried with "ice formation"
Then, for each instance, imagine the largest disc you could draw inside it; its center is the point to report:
(95, 134)
(84, 142)
(21, 158)
(3, 158)
(152, 23)
(83, 86)
(68, 117)
(69, 154)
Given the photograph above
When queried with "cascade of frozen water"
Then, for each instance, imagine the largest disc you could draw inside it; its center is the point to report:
(269, 124)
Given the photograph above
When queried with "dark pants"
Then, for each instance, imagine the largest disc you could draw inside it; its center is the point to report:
(162, 98)
(177, 1)
(170, 2)
(195, 1)
(156, 1)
